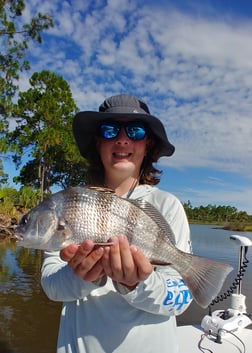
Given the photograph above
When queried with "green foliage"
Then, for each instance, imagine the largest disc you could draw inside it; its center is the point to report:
(14, 38)
(28, 197)
(14, 202)
(8, 200)
(3, 175)
(228, 216)
(14, 43)
(8, 193)
(44, 114)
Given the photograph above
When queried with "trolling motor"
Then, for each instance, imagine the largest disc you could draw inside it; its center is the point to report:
(235, 318)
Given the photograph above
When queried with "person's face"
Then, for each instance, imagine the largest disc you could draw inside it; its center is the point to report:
(122, 155)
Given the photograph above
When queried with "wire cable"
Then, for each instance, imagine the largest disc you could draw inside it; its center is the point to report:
(241, 341)
(203, 349)
(206, 334)
(234, 285)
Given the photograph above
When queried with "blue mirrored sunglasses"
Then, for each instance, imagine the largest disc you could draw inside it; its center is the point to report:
(135, 130)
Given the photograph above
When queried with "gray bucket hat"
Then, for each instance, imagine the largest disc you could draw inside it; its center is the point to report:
(123, 105)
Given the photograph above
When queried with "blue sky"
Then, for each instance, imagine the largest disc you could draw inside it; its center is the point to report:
(191, 61)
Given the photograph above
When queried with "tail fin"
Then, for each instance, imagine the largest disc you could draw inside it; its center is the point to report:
(205, 278)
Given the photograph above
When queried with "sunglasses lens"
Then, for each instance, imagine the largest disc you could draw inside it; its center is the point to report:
(109, 131)
(136, 131)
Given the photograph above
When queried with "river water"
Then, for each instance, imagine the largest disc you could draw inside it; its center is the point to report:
(29, 320)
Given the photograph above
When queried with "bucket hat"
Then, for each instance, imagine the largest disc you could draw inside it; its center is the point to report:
(115, 107)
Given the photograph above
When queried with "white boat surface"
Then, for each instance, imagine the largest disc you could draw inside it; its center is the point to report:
(193, 339)
(222, 331)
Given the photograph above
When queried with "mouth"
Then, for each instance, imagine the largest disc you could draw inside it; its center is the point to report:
(122, 154)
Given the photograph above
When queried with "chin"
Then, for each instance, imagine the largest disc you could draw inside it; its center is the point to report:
(125, 166)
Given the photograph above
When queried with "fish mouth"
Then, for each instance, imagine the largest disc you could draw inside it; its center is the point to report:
(18, 237)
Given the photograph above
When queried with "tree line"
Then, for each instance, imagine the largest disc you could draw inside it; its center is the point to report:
(229, 216)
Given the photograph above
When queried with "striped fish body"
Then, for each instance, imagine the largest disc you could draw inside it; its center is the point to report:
(76, 214)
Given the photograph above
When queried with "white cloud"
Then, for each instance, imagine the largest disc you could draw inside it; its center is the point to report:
(194, 71)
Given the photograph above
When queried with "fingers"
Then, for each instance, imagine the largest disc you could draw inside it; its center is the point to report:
(84, 260)
(84, 249)
(143, 265)
(111, 260)
(118, 262)
(117, 257)
(68, 252)
(121, 262)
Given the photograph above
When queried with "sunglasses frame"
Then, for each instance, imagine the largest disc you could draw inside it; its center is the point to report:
(118, 125)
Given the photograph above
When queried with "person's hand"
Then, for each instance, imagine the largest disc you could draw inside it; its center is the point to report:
(84, 259)
(124, 263)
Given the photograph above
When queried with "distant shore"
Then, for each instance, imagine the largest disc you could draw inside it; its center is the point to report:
(233, 226)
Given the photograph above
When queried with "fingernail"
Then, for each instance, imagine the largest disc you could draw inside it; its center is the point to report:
(71, 249)
(114, 240)
(99, 250)
(133, 248)
(107, 249)
(123, 237)
(87, 245)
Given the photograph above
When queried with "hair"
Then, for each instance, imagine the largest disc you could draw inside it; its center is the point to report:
(149, 174)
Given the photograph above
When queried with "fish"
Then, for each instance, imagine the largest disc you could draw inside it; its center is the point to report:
(78, 213)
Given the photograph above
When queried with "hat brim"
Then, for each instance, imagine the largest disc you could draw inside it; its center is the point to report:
(85, 126)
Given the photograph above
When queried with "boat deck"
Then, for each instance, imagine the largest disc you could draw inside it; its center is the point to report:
(193, 340)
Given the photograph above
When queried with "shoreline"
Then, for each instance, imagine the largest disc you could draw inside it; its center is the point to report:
(232, 226)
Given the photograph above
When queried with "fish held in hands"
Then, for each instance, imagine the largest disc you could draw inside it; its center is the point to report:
(79, 213)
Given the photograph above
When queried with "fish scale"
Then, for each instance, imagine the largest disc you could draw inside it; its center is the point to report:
(102, 218)
(76, 214)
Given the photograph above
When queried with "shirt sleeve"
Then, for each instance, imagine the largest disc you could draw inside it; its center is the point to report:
(60, 283)
(163, 293)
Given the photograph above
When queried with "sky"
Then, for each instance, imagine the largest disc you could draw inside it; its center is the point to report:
(190, 61)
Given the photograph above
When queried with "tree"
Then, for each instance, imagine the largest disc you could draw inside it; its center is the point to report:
(14, 44)
(213, 213)
(44, 128)
(188, 209)
(3, 175)
(14, 40)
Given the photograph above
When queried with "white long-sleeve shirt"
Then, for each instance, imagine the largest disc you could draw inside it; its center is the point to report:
(105, 317)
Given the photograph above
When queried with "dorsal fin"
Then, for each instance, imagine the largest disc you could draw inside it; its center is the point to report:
(155, 215)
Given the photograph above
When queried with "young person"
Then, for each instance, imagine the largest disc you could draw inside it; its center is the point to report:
(114, 300)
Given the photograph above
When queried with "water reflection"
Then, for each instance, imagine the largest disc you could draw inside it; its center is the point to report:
(29, 320)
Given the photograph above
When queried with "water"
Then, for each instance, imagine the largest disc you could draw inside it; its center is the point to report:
(29, 320)
(216, 244)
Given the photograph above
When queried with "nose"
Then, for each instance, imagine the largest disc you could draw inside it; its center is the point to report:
(122, 138)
